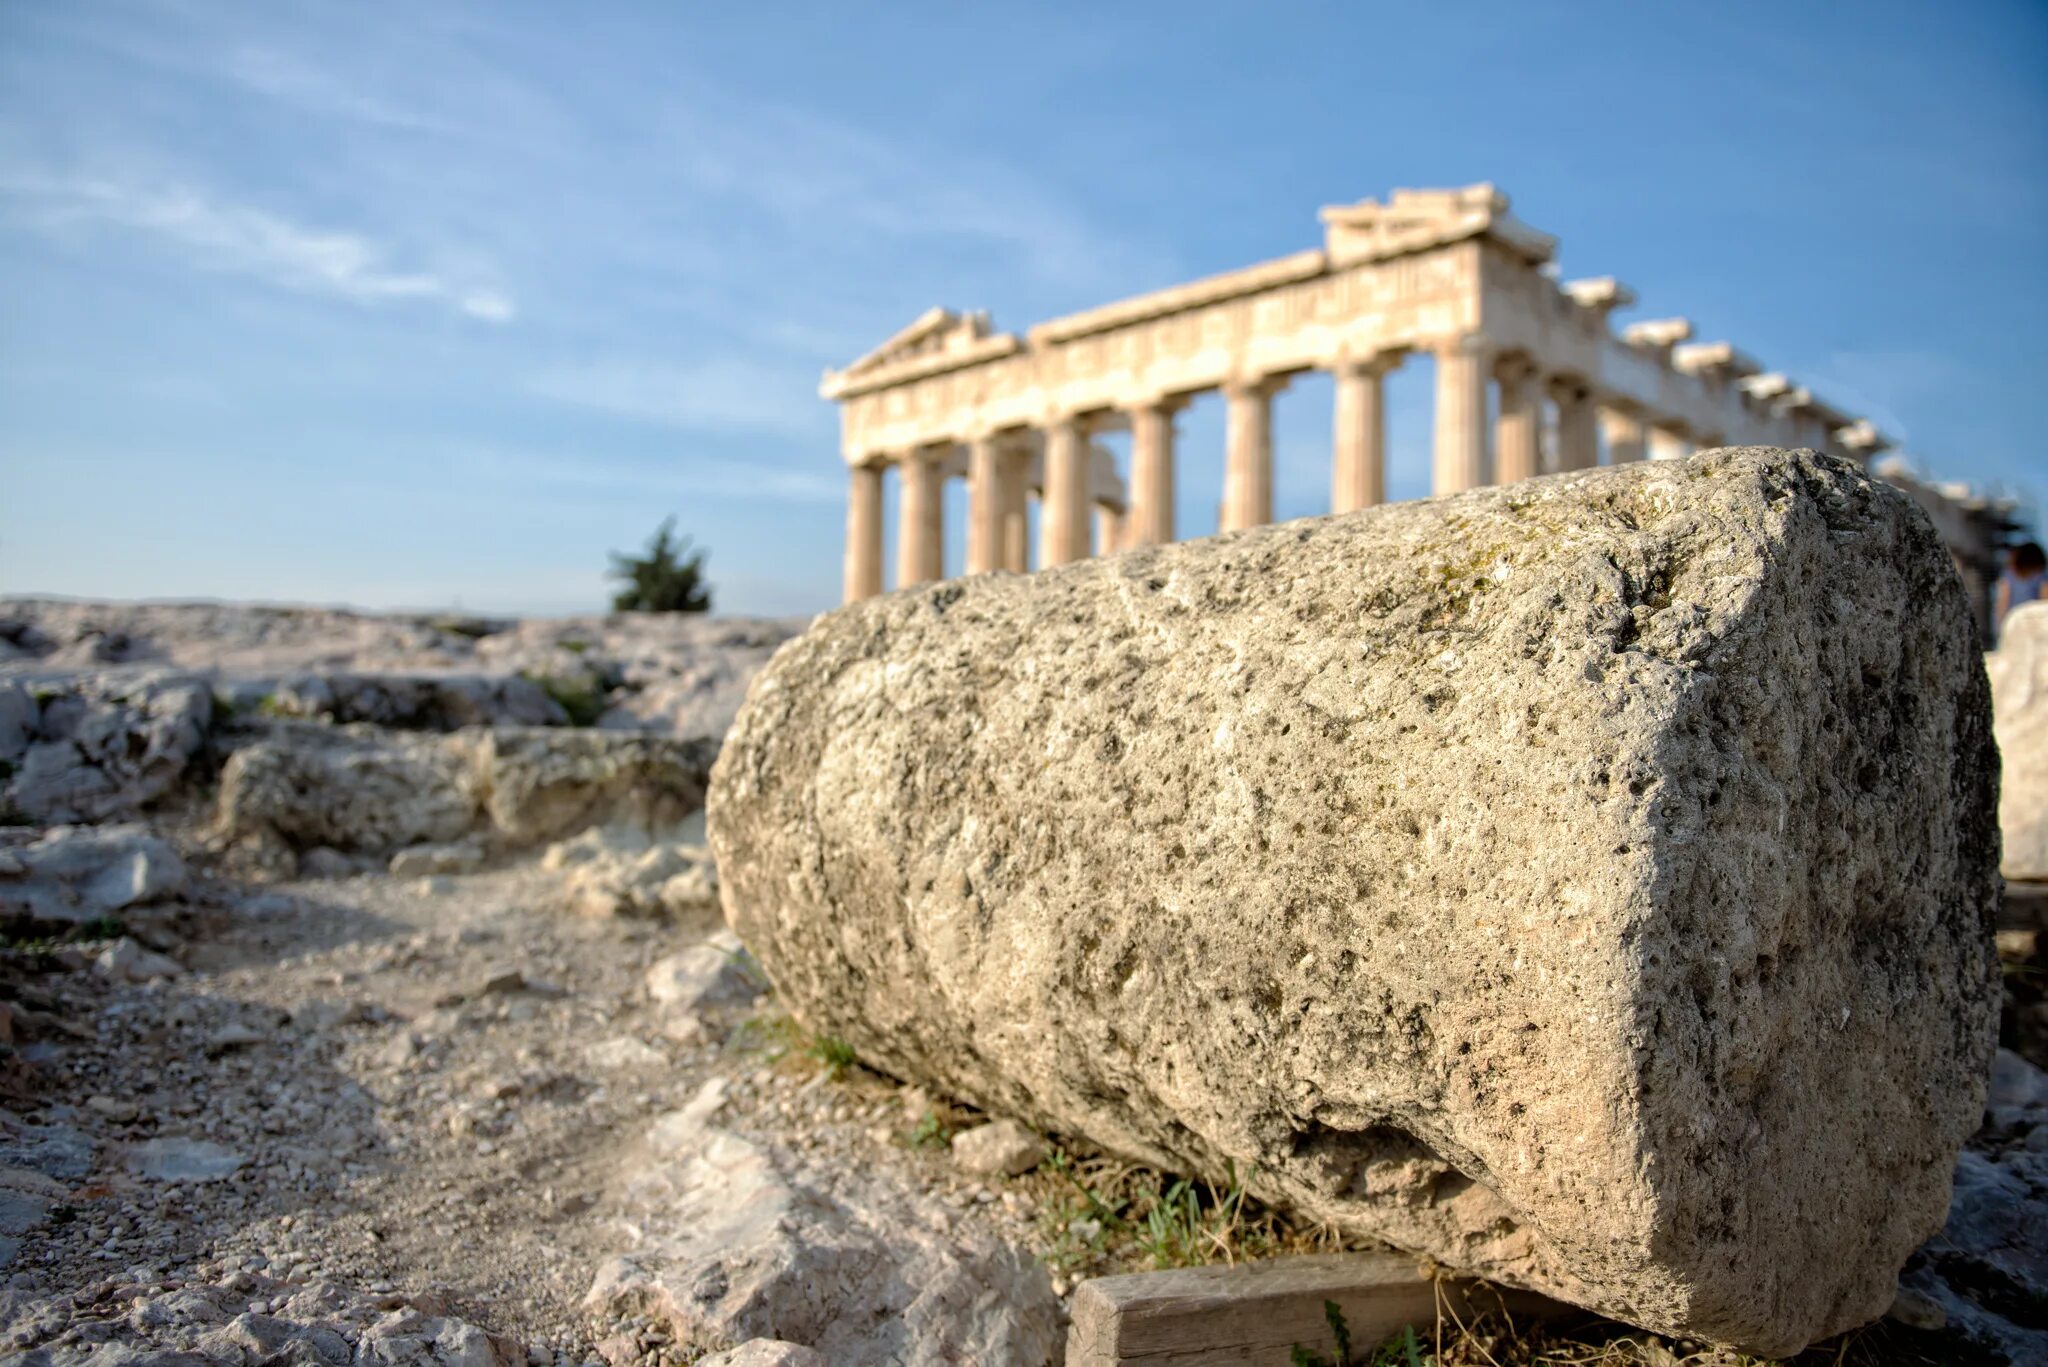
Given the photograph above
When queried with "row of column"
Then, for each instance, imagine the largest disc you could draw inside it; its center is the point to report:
(1476, 443)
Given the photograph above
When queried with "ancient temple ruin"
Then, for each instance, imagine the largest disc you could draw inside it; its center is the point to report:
(1529, 377)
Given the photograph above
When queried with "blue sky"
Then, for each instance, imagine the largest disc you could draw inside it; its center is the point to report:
(433, 304)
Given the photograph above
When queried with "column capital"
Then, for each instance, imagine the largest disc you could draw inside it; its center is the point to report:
(1514, 367)
(1569, 389)
(1464, 344)
(1163, 402)
(1255, 386)
(1369, 363)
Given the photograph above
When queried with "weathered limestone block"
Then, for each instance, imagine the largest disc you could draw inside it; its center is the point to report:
(78, 873)
(347, 788)
(429, 702)
(96, 749)
(2019, 704)
(542, 785)
(1587, 882)
(363, 788)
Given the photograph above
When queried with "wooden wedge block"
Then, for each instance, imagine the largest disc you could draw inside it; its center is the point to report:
(1257, 1313)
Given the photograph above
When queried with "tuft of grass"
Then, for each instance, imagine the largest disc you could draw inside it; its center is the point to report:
(581, 699)
(780, 1038)
(1100, 1209)
(1340, 1334)
(931, 1132)
(835, 1054)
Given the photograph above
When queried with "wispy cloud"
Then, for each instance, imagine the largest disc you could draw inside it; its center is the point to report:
(723, 395)
(241, 240)
(281, 76)
(695, 476)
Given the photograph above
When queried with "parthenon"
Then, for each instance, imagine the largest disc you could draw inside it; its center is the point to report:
(1530, 376)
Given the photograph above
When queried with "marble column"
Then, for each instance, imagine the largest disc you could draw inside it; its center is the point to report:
(1517, 431)
(1151, 514)
(864, 533)
(1014, 468)
(920, 519)
(1667, 443)
(1248, 453)
(985, 496)
(1578, 432)
(1462, 459)
(1109, 529)
(1623, 428)
(1358, 468)
(1063, 513)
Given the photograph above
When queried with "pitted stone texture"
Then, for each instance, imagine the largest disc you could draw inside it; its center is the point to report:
(2019, 704)
(1587, 882)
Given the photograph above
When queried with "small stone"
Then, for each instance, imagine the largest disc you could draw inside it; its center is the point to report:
(113, 1108)
(127, 961)
(624, 1052)
(183, 1160)
(714, 973)
(766, 1353)
(326, 862)
(234, 1035)
(1002, 1148)
(1917, 1311)
(429, 860)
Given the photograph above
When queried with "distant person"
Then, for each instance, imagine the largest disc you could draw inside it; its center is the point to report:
(2026, 569)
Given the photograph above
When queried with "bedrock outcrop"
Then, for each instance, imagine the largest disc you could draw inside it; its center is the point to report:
(1587, 882)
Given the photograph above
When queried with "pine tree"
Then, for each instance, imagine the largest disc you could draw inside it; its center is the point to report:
(667, 577)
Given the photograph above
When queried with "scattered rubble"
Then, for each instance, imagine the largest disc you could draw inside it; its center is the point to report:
(738, 1241)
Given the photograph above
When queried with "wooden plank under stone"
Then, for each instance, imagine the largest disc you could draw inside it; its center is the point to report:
(1256, 1313)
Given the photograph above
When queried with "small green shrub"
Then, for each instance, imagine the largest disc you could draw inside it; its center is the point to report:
(581, 699)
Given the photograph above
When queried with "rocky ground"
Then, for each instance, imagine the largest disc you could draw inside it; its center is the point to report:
(468, 1072)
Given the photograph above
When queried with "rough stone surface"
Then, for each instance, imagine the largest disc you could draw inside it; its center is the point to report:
(1987, 1271)
(627, 871)
(79, 873)
(347, 788)
(357, 788)
(766, 1353)
(1001, 1148)
(241, 1320)
(94, 749)
(2019, 704)
(443, 702)
(1589, 882)
(739, 1241)
(674, 674)
(717, 972)
(422, 860)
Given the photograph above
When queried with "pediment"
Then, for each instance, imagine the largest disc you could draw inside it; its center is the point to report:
(934, 332)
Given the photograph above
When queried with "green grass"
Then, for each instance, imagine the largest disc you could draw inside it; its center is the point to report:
(782, 1039)
(581, 699)
(1101, 1208)
(931, 1132)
